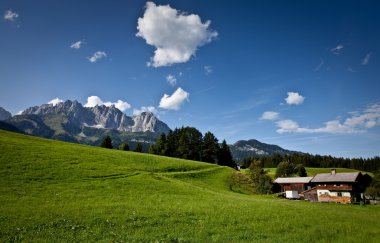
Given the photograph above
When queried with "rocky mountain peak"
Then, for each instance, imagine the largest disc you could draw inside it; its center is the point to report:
(147, 121)
(110, 117)
(4, 114)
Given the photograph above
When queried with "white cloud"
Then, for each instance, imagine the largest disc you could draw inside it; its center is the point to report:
(171, 79)
(121, 105)
(174, 101)
(358, 122)
(287, 126)
(151, 109)
(175, 35)
(55, 101)
(208, 70)
(9, 15)
(76, 45)
(366, 59)
(294, 98)
(270, 115)
(93, 101)
(336, 50)
(97, 55)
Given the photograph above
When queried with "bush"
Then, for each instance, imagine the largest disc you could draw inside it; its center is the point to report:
(261, 182)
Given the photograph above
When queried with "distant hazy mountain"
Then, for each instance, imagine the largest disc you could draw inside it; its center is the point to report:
(252, 147)
(4, 114)
(70, 121)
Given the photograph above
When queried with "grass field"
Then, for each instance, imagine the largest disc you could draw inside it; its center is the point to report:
(52, 191)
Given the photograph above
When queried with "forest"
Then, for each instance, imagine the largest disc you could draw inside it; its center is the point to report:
(317, 161)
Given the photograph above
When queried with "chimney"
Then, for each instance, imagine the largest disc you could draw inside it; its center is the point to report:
(333, 171)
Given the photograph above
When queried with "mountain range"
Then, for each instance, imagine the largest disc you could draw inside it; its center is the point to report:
(72, 122)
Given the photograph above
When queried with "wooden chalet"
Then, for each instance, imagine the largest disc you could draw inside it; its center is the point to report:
(347, 187)
(293, 186)
(338, 187)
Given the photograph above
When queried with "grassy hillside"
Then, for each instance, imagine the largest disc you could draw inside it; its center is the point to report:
(55, 191)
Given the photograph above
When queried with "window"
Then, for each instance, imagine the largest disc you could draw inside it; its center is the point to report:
(339, 194)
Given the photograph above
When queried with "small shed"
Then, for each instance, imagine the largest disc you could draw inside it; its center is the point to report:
(293, 186)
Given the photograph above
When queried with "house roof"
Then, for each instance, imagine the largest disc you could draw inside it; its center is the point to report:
(338, 177)
(286, 180)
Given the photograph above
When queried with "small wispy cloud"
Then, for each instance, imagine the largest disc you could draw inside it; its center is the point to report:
(358, 122)
(294, 98)
(97, 56)
(55, 101)
(208, 70)
(9, 15)
(351, 70)
(171, 79)
(319, 65)
(174, 101)
(337, 50)
(93, 101)
(151, 109)
(366, 59)
(269, 115)
(76, 45)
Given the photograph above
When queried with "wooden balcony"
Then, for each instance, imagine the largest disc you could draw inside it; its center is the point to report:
(336, 188)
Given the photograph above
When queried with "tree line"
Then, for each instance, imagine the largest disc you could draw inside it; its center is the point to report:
(186, 143)
(189, 143)
(107, 143)
(318, 161)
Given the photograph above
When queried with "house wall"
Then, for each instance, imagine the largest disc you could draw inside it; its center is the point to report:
(328, 196)
(299, 187)
(311, 195)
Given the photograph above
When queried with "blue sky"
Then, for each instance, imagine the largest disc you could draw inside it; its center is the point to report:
(300, 74)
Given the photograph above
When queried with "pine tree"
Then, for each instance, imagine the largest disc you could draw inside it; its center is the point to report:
(139, 148)
(107, 142)
(210, 148)
(161, 146)
(224, 156)
(300, 170)
(124, 147)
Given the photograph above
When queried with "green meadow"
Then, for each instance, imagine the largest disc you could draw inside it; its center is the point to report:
(53, 191)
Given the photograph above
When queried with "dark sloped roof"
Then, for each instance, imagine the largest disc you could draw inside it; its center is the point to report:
(338, 177)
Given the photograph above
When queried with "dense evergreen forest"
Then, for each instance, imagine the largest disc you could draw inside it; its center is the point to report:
(318, 161)
(189, 143)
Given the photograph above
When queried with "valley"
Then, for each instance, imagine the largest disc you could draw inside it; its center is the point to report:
(58, 191)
